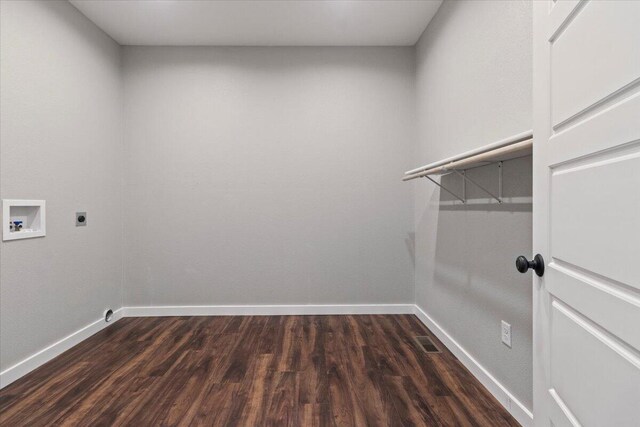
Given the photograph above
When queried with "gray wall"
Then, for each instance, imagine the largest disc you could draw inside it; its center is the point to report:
(268, 175)
(264, 176)
(60, 140)
(474, 87)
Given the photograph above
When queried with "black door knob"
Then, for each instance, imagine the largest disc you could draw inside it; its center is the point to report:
(536, 264)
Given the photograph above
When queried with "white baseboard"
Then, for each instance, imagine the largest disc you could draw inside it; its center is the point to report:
(520, 412)
(266, 310)
(32, 362)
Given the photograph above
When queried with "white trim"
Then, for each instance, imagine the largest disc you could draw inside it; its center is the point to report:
(520, 412)
(266, 310)
(32, 362)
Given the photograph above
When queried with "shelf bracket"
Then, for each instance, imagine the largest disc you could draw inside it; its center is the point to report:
(450, 192)
(466, 178)
(464, 187)
(500, 180)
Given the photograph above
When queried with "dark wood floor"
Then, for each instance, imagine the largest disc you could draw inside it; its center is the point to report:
(253, 371)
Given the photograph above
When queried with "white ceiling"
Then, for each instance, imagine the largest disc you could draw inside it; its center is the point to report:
(261, 23)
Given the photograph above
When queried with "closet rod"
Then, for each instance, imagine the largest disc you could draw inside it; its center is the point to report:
(498, 154)
(503, 142)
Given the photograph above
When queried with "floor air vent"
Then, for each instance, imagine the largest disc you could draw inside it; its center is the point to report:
(426, 344)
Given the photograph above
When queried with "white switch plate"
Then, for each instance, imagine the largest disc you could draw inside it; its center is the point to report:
(506, 334)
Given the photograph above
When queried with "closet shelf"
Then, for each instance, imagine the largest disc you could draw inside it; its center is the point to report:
(508, 152)
(517, 146)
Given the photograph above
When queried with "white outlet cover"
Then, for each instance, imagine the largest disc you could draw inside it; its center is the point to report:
(506, 334)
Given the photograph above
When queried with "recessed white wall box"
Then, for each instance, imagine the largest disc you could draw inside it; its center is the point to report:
(23, 219)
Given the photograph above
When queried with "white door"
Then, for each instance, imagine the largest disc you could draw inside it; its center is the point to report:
(586, 200)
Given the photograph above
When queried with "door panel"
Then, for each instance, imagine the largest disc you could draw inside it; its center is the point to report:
(607, 130)
(559, 414)
(609, 304)
(559, 14)
(589, 365)
(586, 213)
(590, 63)
(588, 232)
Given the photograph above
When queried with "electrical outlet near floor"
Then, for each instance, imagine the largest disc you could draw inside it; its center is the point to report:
(506, 334)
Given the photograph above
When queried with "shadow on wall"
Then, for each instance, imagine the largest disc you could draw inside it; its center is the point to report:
(410, 242)
(477, 242)
(474, 281)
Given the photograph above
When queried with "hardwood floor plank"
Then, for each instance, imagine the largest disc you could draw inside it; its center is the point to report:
(216, 405)
(252, 400)
(253, 371)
